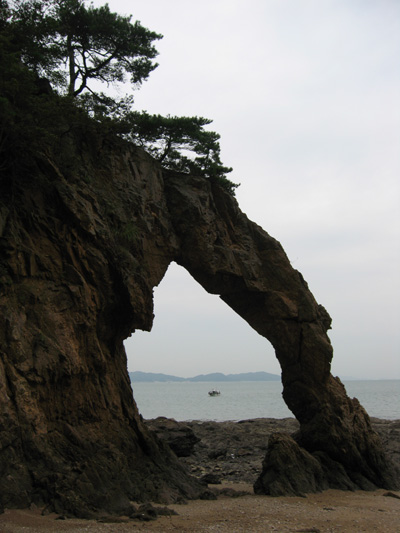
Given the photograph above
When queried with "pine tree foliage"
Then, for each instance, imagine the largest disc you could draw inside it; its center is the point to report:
(54, 55)
(73, 45)
(180, 143)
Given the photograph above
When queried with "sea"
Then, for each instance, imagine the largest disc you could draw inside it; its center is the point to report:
(242, 400)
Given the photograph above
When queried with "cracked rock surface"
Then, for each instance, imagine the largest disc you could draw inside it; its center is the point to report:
(85, 236)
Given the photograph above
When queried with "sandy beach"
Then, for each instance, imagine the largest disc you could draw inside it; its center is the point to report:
(329, 511)
(233, 453)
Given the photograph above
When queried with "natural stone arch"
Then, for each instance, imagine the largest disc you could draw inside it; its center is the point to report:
(79, 260)
(231, 256)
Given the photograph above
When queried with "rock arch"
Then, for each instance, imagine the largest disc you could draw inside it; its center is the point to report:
(78, 263)
(231, 256)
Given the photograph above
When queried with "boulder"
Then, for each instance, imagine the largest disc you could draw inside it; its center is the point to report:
(289, 470)
(179, 437)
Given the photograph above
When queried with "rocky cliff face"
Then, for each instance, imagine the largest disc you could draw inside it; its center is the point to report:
(82, 244)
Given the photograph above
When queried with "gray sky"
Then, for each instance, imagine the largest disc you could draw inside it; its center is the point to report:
(305, 96)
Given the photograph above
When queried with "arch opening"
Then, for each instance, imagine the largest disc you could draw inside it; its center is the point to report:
(196, 333)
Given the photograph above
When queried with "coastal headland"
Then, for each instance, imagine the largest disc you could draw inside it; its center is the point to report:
(89, 224)
(79, 261)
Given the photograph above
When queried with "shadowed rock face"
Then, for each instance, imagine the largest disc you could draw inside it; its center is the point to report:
(232, 256)
(81, 248)
(80, 253)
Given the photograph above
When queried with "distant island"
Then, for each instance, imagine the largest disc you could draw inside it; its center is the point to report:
(147, 377)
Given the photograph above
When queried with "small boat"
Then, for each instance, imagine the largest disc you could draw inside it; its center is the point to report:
(214, 392)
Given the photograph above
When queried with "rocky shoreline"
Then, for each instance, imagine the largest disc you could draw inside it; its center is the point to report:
(230, 451)
(228, 456)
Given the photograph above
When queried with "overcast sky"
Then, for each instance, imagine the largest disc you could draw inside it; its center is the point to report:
(305, 96)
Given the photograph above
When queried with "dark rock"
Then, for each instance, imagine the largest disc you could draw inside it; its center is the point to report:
(179, 437)
(208, 495)
(148, 512)
(336, 475)
(216, 454)
(288, 470)
(145, 513)
(389, 433)
(86, 233)
(391, 494)
(211, 478)
(233, 450)
(253, 436)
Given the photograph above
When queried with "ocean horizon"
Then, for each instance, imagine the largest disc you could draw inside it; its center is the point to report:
(241, 400)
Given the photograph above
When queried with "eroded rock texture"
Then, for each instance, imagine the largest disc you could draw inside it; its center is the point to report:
(232, 256)
(81, 250)
(82, 243)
